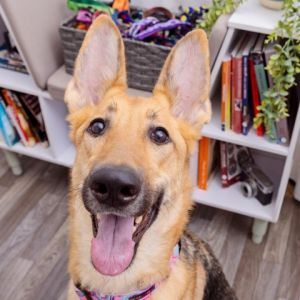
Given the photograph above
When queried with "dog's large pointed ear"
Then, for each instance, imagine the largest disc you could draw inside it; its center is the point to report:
(185, 79)
(100, 65)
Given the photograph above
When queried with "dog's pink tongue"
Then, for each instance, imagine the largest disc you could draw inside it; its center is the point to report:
(113, 247)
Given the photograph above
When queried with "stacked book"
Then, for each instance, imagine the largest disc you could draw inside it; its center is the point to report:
(244, 82)
(208, 161)
(9, 55)
(21, 119)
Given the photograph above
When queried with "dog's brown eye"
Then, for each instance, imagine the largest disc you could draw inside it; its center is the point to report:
(96, 127)
(159, 135)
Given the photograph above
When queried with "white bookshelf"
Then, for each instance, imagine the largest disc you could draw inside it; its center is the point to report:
(213, 130)
(276, 160)
(37, 151)
(20, 82)
(252, 16)
(230, 199)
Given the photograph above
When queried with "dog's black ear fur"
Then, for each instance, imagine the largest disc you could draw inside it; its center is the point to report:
(185, 79)
(100, 65)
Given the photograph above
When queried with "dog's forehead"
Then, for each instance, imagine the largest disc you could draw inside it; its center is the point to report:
(146, 107)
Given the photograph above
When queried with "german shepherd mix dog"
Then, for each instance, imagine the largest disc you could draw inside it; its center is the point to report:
(130, 187)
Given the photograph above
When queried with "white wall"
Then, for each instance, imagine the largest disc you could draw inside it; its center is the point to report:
(170, 4)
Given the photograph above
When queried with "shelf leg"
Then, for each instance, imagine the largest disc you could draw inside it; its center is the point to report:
(259, 229)
(14, 162)
(297, 188)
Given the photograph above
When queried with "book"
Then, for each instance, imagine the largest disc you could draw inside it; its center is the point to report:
(9, 56)
(293, 104)
(268, 51)
(254, 94)
(236, 86)
(18, 117)
(16, 125)
(32, 108)
(260, 72)
(207, 161)
(259, 65)
(282, 131)
(226, 94)
(281, 126)
(7, 130)
(230, 169)
(32, 104)
(247, 115)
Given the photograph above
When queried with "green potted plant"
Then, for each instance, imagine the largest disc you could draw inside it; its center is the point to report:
(283, 66)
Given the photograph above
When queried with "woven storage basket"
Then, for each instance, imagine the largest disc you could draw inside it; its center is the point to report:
(143, 60)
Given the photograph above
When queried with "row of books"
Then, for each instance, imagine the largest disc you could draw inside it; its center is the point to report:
(21, 119)
(9, 55)
(244, 82)
(233, 163)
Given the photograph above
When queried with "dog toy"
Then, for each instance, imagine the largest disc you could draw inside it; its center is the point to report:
(160, 13)
(192, 15)
(121, 5)
(75, 5)
(138, 31)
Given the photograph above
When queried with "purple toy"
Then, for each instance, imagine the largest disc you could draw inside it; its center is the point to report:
(157, 27)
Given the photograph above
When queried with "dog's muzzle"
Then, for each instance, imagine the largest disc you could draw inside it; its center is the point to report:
(122, 210)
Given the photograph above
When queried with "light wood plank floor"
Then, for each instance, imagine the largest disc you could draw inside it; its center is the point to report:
(33, 240)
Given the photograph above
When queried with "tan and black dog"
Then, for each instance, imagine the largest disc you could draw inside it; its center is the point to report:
(130, 194)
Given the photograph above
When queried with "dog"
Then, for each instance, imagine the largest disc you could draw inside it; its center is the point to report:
(130, 191)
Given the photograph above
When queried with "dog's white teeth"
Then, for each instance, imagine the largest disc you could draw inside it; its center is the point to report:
(138, 220)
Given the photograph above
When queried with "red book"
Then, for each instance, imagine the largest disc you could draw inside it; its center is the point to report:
(230, 169)
(255, 95)
(237, 85)
(237, 97)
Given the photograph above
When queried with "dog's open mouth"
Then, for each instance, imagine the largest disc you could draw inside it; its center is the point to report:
(116, 239)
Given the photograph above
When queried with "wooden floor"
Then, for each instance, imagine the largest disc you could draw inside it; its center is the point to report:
(33, 240)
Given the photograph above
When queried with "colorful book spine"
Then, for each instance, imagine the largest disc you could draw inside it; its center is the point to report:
(255, 95)
(230, 170)
(282, 131)
(281, 126)
(226, 95)
(17, 115)
(246, 110)
(260, 74)
(262, 83)
(203, 158)
(15, 123)
(236, 100)
(32, 109)
(6, 128)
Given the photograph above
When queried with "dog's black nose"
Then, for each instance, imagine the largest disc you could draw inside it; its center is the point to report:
(115, 185)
